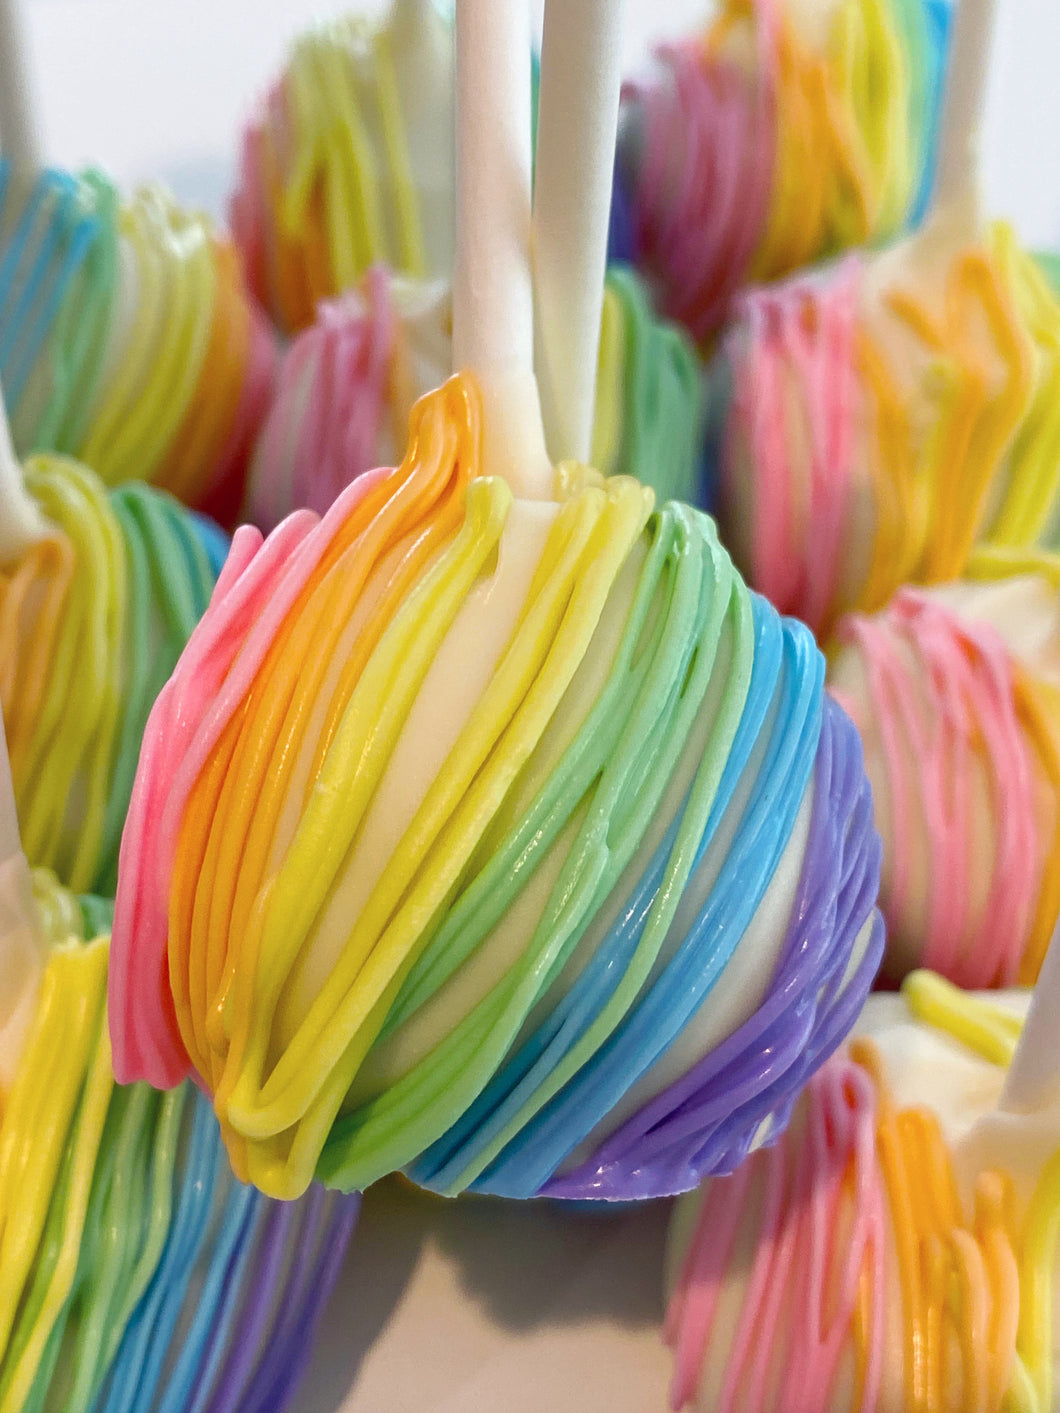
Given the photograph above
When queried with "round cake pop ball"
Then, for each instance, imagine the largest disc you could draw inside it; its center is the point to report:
(129, 338)
(517, 849)
(897, 1247)
(134, 1271)
(956, 693)
(348, 383)
(790, 130)
(92, 620)
(888, 413)
(349, 162)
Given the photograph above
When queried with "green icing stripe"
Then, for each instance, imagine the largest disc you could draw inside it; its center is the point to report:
(662, 404)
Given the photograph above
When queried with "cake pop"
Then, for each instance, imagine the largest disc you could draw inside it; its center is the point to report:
(488, 827)
(349, 162)
(955, 691)
(129, 339)
(897, 1247)
(783, 134)
(95, 610)
(135, 1273)
(889, 412)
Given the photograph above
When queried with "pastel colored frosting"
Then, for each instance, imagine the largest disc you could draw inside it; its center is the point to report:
(348, 162)
(348, 383)
(956, 694)
(92, 621)
(787, 131)
(128, 338)
(896, 1249)
(135, 1272)
(511, 844)
(887, 414)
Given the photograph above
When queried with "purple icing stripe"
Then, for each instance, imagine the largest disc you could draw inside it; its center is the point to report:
(291, 1342)
(262, 1281)
(291, 1276)
(754, 1077)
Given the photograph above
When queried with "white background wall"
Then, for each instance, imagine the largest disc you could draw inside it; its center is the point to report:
(158, 87)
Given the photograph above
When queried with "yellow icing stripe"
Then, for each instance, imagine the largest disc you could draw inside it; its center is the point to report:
(412, 251)
(98, 1086)
(993, 561)
(41, 1107)
(984, 1026)
(589, 542)
(1036, 1282)
(609, 415)
(1032, 469)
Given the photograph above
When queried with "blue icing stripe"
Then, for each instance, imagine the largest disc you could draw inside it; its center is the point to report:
(707, 948)
(938, 25)
(205, 1344)
(617, 947)
(529, 1159)
(138, 1366)
(54, 258)
(213, 539)
(77, 243)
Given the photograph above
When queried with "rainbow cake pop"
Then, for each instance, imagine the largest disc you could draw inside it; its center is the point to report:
(347, 385)
(128, 337)
(897, 1247)
(786, 132)
(887, 413)
(506, 839)
(135, 1273)
(349, 162)
(955, 691)
(95, 610)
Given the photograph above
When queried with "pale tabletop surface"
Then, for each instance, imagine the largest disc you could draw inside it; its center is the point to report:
(476, 1305)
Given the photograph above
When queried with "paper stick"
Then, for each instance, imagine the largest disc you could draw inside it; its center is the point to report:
(581, 79)
(958, 166)
(493, 305)
(1034, 1076)
(21, 523)
(19, 130)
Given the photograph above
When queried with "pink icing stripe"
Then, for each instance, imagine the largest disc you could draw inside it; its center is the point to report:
(827, 339)
(137, 993)
(797, 340)
(211, 679)
(315, 442)
(766, 1289)
(942, 692)
(267, 488)
(702, 1277)
(804, 1179)
(706, 173)
(247, 217)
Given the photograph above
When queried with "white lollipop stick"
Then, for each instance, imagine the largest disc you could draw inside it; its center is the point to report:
(19, 130)
(22, 943)
(21, 523)
(493, 304)
(577, 125)
(958, 165)
(1033, 1079)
